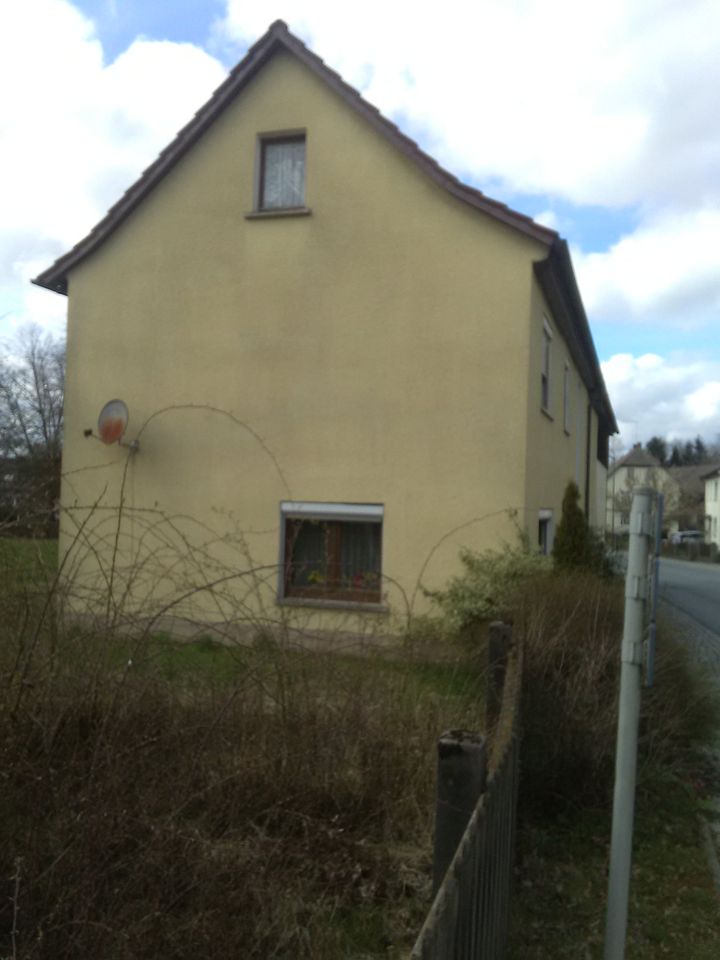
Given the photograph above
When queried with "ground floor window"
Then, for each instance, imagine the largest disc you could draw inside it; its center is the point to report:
(332, 551)
(545, 531)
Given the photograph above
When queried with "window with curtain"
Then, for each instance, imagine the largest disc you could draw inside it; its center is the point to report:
(328, 557)
(282, 173)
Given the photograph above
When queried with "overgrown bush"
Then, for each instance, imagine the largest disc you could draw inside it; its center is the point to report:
(570, 622)
(170, 800)
(571, 626)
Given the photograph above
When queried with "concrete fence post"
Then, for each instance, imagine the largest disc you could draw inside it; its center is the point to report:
(631, 659)
(498, 649)
(462, 775)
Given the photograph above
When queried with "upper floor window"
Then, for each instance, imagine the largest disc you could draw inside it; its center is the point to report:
(566, 399)
(545, 373)
(281, 184)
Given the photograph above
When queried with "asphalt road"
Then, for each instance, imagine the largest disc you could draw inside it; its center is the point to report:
(693, 588)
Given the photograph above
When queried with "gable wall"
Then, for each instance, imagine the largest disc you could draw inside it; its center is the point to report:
(379, 347)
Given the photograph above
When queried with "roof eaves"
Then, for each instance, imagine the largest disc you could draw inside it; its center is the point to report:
(557, 279)
(278, 35)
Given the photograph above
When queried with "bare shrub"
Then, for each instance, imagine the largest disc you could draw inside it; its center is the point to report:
(572, 626)
(278, 804)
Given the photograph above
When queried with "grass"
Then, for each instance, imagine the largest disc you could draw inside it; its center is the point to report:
(25, 562)
(562, 882)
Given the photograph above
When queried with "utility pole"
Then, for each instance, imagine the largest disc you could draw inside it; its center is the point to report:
(636, 602)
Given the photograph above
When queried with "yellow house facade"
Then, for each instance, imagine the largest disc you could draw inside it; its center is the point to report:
(341, 365)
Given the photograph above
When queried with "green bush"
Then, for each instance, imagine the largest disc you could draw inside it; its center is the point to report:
(576, 545)
(486, 589)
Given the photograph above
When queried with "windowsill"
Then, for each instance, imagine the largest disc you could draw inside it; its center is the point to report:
(274, 213)
(332, 604)
(546, 412)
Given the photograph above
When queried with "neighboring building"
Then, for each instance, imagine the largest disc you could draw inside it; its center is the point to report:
(690, 511)
(712, 506)
(636, 469)
(342, 365)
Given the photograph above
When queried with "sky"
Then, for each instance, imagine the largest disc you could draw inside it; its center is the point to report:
(599, 119)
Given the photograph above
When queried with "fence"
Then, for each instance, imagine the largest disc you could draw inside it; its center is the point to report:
(470, 914)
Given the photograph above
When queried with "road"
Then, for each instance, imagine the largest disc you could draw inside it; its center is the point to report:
(693, 588)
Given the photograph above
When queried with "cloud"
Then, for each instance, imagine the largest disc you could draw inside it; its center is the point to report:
(675, 398)
(609, 104)
(668, 271)
(76, 132)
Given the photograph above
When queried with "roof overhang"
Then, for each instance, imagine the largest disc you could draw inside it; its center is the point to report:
(556, 277)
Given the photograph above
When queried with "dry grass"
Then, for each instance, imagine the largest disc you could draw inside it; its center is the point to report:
(572, 624)
(205, 801)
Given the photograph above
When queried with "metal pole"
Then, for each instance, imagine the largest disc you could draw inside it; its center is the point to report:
(652, 633)
(636, 596)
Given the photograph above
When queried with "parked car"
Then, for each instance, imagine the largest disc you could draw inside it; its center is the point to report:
(686, 536)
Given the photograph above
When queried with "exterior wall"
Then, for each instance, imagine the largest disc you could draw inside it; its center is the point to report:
(557, 447)
(375, 351)
(712, 510)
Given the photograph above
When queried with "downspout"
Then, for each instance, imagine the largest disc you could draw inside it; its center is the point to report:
(587, 461)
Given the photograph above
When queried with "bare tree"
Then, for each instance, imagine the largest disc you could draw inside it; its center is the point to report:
(32, 380)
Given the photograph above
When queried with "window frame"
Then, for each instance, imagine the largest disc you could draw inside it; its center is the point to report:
(566, 398)
(335, 515)
(546, 367)
(263, 140)
(546, 531)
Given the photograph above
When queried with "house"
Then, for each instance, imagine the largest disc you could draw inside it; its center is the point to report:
(638, 468)
(341, 364)
(712, 505)
(691, 511)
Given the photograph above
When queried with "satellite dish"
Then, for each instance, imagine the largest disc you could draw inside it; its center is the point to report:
(113, 421)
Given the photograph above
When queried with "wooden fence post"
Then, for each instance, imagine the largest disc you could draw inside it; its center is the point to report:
(499, 635)
(462, 774)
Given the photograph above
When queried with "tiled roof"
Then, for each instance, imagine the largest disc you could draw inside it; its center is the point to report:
(638, 457)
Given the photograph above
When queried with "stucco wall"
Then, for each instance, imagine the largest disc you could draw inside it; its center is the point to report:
(376, 351)
(557, 446)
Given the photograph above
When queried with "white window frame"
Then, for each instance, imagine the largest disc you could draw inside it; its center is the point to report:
(546, 539)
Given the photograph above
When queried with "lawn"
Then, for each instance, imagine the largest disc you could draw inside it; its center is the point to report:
(559, 907)
(26, 562)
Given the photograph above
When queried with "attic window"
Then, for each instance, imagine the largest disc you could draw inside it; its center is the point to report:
(281, 182)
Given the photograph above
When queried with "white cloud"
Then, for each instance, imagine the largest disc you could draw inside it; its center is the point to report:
(75, 133)
(606, 103)
(675, 398)
(667, 271)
